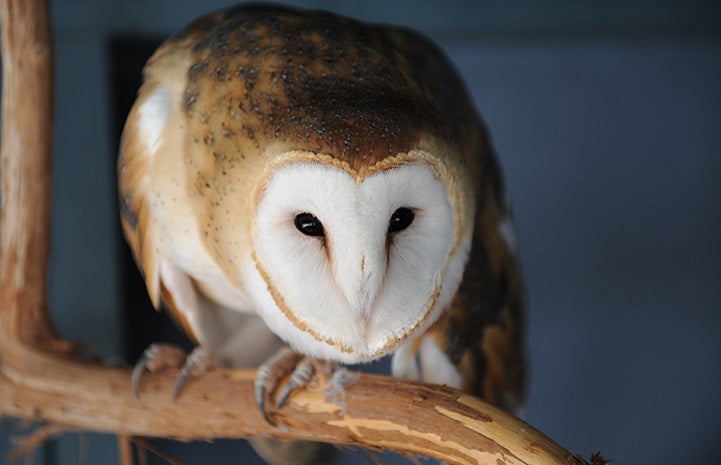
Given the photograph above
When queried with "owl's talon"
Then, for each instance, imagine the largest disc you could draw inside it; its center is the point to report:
(184, 373)
(138, 371)
(269, 375)
(159, 356)
(302, 373)
(197, 363)
(155, 358)
(261, 381)
(260, 401)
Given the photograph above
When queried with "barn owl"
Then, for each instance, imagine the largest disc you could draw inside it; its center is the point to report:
(297, 179)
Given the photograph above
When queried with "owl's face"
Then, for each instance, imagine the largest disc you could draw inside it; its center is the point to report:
(353, 263)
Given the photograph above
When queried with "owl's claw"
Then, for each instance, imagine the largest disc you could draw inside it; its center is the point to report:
(197, 363)
(260, 401)
(301, 369)
(156, 357)
(184, 372)
(302, 373)
(138, 371)
(271, 372)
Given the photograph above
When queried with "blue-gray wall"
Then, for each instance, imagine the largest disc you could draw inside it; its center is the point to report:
(607, 119)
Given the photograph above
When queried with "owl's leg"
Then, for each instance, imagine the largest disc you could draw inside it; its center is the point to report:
(158, 357)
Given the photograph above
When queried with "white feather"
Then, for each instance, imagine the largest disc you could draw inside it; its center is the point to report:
(404, 363)
(153, 115)
(436, 367)
(235, 339)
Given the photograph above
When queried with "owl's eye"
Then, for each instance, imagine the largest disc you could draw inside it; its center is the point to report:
(401, 219)
(309, 224)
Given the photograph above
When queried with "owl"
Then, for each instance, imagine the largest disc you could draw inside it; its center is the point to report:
(300, 187)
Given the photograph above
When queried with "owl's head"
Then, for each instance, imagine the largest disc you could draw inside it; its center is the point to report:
(353, 263)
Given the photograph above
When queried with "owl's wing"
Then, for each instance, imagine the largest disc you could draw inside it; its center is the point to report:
(141, 232)
(164, 76)
(155, 206)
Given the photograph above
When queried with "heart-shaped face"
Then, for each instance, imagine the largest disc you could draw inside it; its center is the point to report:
(349, 265)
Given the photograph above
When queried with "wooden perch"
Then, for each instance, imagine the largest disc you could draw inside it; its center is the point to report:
(40, 378)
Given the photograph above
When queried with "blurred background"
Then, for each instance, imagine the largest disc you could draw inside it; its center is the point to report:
(607, 119)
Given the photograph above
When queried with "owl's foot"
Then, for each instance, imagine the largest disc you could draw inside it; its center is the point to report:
(284, 362)
(158, 357)
(197, 363)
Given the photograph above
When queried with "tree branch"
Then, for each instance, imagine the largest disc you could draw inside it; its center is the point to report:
(25, 165)
(41, 379)
(408, 416)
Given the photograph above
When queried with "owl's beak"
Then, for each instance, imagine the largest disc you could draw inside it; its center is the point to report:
(359, 268)
(372, 269)
(359, 279)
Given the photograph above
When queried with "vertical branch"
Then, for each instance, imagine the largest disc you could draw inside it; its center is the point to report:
(25, 171)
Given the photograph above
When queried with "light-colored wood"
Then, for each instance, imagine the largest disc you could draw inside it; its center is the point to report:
(380, 412)
(40, 379)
